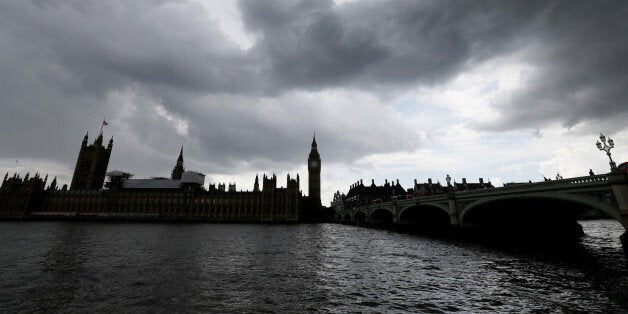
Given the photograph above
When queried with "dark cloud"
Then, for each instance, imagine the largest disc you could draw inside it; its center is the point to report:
(581, 69)
(577, 47)
(308, 44)
(227, 131)
(370, 44)
(165, 75)
(101, 46)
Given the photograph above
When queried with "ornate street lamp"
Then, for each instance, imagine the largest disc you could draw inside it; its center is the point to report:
(448, 179)
(606, 146)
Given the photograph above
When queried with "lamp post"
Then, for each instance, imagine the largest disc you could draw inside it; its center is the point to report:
(606, 146)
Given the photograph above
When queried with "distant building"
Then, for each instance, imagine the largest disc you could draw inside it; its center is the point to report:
(312, 209)
(181, 197)
(430, 188)
(20, 195)
(362, 195)
(91, 165)
(122, 180)
(464, 186)
(314, 173)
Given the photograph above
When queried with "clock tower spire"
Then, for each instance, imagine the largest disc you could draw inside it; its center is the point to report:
(314, 173)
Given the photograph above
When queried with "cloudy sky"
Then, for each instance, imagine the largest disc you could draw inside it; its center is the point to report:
(504, 90)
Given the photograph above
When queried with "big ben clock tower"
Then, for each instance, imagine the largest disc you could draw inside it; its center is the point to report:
(314, 173)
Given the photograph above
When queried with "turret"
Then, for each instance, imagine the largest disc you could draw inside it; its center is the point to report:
(98, 141)
(91, 165)
(292, 184)
(53, 184)
(178, 170)
(269, 184)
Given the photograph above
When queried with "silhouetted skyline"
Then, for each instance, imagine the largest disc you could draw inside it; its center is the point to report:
(509, 91)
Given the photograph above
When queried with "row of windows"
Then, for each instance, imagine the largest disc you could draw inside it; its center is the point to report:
(96, 201)
(207, 201)
(164, 209)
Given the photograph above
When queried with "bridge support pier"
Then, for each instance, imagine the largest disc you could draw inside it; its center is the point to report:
(619, 183)
(453, 211)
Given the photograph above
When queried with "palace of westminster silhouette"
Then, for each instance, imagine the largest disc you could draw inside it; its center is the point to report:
(182, 197)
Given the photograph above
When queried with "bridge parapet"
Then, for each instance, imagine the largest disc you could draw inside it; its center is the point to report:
(606, 192)
(600, 180)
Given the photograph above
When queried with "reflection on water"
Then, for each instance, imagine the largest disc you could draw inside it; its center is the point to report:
(73, 266)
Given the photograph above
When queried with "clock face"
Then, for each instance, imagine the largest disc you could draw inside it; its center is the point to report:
(314, 164)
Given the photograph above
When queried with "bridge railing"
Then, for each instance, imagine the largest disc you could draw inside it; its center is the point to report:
(601, 179)
(597, 179)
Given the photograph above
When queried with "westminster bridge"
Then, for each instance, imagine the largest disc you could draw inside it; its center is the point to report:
(552, 204)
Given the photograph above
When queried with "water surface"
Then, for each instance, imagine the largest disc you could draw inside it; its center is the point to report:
(84, 266)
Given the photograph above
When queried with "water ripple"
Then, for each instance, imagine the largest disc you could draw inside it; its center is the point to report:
(69, 267)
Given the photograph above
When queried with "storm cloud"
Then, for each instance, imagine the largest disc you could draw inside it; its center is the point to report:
(577, 49)
(164, 74)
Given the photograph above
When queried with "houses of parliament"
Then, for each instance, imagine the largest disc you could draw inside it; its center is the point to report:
(182, 197)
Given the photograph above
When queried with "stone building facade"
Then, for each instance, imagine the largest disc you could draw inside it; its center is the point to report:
(91, 165)
(360, 194)
(182, 197)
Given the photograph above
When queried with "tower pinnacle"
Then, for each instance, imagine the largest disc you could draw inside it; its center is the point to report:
(314, 172)
(178, 170)
(91, 165)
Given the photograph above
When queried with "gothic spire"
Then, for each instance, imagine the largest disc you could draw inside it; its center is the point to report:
(314, 152)
(98, 141)
(178, 170)
(53, 184)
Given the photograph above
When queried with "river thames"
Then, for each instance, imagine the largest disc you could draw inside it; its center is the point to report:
(134, 267)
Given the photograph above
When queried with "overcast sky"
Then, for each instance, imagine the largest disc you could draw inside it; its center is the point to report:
(504, 90)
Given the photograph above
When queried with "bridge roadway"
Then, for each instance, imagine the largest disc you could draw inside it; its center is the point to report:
(552, 202)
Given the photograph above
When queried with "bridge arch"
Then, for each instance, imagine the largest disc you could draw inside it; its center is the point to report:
(359, 216)
(538, 213)
(381, 216)
(570, 198)
(425, 217)
(442, 207)
(347, 217)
